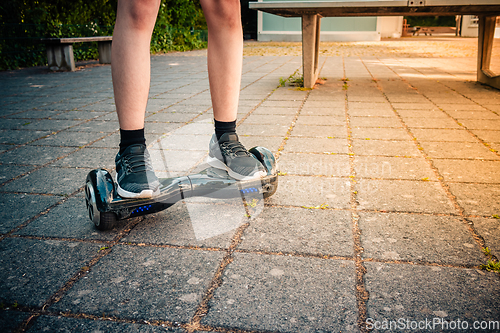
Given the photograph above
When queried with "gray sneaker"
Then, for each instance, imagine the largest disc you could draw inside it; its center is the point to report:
(134, 173)
(229, 154)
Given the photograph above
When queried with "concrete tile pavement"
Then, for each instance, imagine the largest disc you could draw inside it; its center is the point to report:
(388, 193)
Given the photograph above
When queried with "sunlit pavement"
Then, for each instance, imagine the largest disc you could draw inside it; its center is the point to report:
(389, 190)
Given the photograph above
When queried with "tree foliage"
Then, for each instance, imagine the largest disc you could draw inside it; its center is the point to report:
(24, 22)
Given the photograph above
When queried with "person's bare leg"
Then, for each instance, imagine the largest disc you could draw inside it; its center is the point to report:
(225, 60)
(225, 55)
(130, 60)
(130, 69)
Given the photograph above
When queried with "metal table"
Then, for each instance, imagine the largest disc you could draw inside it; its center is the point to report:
(312, 12)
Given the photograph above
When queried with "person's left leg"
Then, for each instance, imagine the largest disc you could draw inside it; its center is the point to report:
(225, 58)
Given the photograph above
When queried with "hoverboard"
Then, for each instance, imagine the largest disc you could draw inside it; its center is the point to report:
(106, 208)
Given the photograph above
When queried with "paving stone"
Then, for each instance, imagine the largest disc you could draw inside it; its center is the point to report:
(67, 220)
(11, 320)
(316, 145)
(112, 116)
(269, 119)
(482, 115)
(488, 136)
(477, 199)
(18, 208)
(162, 128)
(466, 150)
(319, 104)
(99, 107)
(144, 283)
(365, 98)
(489, 229)
(68, 324)
(96, 126)
(312, 191)
(261, 292)
(386, 148)
(421, 114)
(403, 196)
(91, 158)
(418, 238)
(370, 105)
(385, 111)
(79, 115)
(32, 155)
(301, 130)
(275, 110)
(469, 170)
(60, 181)
(171, 117)
(68, 139)
(182, 142)
(440, 135)
(335, 110)
(393, 168)
(16, 123)
(488, 124)
(271, 143)
(262, 130)
(196, 128)
(464, 106)
(175, 160)
(314, 164)
(431, 123)
(194, 222)
(35, 114)
(33, 270)
(392, 122)
(455, 293)
(298, 230)
(321, 120)
(380, 133)
(414, 106)
(283, 104)
(20, 136)
(50, 124)
(8, 172)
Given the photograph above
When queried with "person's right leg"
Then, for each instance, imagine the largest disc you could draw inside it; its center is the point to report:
(225, 57)
(130, 68)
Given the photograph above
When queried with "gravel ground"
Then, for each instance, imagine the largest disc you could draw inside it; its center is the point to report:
(409, 47)
(405, 47)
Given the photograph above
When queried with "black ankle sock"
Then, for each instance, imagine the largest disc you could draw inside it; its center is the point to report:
(222, 127)
(128, 138)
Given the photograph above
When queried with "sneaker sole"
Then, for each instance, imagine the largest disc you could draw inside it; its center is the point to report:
(145, 194)
(216, 163)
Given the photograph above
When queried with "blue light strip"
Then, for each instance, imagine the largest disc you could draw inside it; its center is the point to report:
(141, 209)
(249, 190)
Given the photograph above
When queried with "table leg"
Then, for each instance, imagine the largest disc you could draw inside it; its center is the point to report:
(310, 48)
(485, 41)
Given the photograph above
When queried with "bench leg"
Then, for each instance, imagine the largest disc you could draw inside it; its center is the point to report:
(60, 57)
(485, 41)
(104, 52)
(310, 48)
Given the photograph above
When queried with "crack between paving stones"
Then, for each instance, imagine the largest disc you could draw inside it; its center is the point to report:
(461, 212)
(362, 294)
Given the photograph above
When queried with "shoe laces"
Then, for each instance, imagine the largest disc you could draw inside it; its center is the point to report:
(137, 162)
(234, 148)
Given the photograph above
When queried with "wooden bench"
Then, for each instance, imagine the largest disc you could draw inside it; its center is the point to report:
(60, 51)
(312, 12)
